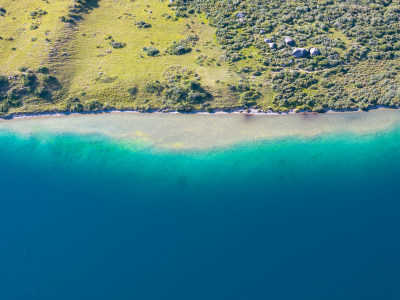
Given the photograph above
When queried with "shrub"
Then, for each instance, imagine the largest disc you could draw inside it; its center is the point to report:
(12, 95)
(151, 51)
(183, 46)
(49, 79)
(154, 87)
(28, 79)
(42, 92)
(43, 70)
(93, 105)
(67, 19)
(73, 104)
(249, 97)
(37, 13)
(5, 106)
(142, 24)
(3, 80)
(117, 45)
(132, 91)
(178, 48)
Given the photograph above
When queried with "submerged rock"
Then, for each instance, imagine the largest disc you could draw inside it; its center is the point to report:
(299, 52)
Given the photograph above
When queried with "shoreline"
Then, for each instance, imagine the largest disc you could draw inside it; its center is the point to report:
(240, 111)
(200, 130)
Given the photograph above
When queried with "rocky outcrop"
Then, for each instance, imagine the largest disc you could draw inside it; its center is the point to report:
(299, 52)
(314, 52)
(289, 41)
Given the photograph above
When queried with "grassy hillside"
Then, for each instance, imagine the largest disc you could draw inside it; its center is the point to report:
(87, 72)
(60, 55)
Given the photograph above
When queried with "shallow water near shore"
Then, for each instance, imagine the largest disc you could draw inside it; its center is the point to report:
(105, 207)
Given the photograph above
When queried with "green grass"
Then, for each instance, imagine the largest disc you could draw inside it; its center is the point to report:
(88, 67)
(92, 74)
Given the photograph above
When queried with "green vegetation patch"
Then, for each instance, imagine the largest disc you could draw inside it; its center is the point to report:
(278, 55)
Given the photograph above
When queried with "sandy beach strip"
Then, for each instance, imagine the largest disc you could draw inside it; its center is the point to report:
(202, 130)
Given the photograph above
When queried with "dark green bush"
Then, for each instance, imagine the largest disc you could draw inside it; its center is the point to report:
(178, 48)
(3, 81)
(74, 104)
(249, 98)
(43, 70)
(5, 106)
(154, 87)
(42, 92)
(28, 79)
(132, 91)
(142, 24)
(49, 79)
(37, 13)
(92, 105)
(117, 45)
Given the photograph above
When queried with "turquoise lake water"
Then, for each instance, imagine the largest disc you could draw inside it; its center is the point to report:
(94, 217)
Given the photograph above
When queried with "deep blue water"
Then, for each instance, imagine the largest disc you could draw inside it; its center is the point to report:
(86, 217)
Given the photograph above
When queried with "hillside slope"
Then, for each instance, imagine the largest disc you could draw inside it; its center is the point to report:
(75, 55)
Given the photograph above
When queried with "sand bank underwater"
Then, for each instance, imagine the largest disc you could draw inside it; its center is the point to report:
(202, 131)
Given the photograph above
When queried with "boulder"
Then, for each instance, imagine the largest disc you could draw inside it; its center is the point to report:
(267, 40)
(272, 45)
(314, 52)
(289, 41)
(299, 52)
(241, 15)
(262, 31)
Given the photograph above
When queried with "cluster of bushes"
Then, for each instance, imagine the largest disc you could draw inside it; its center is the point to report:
(142, 24)
(75, 104)
(181, 89)
(151, 51)
(248, 95)
(349, 35)
(9, 98)
(37, 13)
(342, 88)
(3, 81)
(115, 44)
(373, 27)
(28, 84)
(183, 46)
(4, 103)
(75, 11)
(291, 90)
